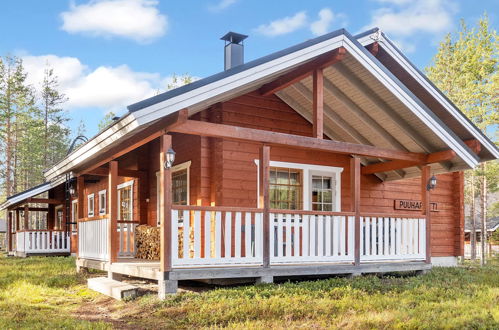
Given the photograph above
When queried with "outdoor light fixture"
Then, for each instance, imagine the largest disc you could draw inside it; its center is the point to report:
(432, 183)
(72, 190)
(170, 158)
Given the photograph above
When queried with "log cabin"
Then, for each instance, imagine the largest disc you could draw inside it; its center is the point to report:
(334, 156)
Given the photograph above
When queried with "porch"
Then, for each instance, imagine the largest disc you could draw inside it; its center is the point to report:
(228, 242)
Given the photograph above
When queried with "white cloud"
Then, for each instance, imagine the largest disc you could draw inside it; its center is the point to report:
(139, 20)
(407, 20)
(326, 17)
(284, 25)
(106, 87)
(221, 5)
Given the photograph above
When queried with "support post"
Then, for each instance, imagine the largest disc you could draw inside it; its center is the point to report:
(355, 203)
(9, 232)
(425, 199)
(113, 211)
(26, 217)
(165, 208)
(318, 104)
(265, 201)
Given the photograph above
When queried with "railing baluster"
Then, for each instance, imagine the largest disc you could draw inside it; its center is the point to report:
(288, 235)
(280, 238)
(328, 235)
(186, 235)
(218, 234)
(305, 233)
(207, 234)
(296, 242)
(312, 230)
(197, 234)
(237, 235)
(247, 235)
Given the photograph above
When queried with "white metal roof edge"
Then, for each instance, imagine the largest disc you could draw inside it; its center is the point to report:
(396, 54)
(30, 193)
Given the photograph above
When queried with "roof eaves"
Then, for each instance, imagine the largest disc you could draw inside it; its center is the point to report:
(490, 145)
(473, 159)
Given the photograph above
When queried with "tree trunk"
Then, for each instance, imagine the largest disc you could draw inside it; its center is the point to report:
(473, 219)
(483, 195)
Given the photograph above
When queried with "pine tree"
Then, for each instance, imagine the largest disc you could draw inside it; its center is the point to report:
(466, 69)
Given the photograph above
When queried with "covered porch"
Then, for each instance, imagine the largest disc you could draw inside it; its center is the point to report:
(36, 223)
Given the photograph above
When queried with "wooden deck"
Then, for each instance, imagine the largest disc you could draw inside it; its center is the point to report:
(151, 269)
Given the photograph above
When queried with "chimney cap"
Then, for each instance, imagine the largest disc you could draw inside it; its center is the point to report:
(233, 37)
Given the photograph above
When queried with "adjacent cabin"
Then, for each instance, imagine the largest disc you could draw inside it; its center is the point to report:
(334, 156)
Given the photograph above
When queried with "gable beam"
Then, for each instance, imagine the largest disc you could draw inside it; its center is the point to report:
(318, 104)
(373, 48)
(194, 127)
(356, 135)
(435, 157)
(303, 71)
(338, 125)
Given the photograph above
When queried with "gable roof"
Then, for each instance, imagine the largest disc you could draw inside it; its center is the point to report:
(227, 84)
(393, 58)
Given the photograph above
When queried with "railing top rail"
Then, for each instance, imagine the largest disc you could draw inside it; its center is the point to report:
(40, 230)
(94, 218)
(303, 212)
(393, 215)
(128, 221)
(216, 208)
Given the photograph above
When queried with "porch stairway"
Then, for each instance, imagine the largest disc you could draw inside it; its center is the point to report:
(112, 288)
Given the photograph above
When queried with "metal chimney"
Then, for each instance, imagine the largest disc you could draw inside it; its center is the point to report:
(234, 49)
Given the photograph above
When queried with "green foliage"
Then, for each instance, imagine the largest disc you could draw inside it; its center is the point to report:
(106, 121)
(177, 81)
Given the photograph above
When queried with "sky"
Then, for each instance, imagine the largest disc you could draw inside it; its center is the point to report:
(108, 54)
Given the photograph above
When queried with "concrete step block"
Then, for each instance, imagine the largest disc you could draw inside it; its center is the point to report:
(115, 289)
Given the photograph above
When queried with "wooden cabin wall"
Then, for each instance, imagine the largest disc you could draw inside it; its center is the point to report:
(233, 173)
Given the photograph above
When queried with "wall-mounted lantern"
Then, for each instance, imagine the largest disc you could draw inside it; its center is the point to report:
(72, 188)
(170, 158)
(432, 183)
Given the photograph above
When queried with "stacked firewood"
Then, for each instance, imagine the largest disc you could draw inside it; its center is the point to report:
(148, 243)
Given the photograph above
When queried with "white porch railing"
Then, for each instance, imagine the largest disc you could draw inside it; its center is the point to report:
(214, 236)
(392, 238)
(126, 232)
(311, 237)
(43, 241)
(93, 239)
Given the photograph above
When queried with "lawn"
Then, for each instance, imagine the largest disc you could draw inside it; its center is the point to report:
(47, 293)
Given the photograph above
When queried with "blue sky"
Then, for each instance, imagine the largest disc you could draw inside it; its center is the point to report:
(111, 53)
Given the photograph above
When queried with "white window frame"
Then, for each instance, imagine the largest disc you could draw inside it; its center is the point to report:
(91, 213)
(56, 211)
(74, 215)
(102, 209)
(183, 166)
(308, 171)
(121, 186)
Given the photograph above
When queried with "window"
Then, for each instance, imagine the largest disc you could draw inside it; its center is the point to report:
(74, 215)
(322, 193)
(102, 202)
(296, 186)
(285, 188)
(125, 201)
(90, 205)
(180, 186)
(58, 218)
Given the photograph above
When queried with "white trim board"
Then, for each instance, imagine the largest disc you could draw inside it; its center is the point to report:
(308, 171)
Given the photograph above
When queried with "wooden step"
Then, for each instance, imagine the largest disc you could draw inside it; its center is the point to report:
(115, 289)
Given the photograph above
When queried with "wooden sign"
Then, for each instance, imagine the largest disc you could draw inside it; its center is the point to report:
(410, 205)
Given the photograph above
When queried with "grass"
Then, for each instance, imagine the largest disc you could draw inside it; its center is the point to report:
(47, 293)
